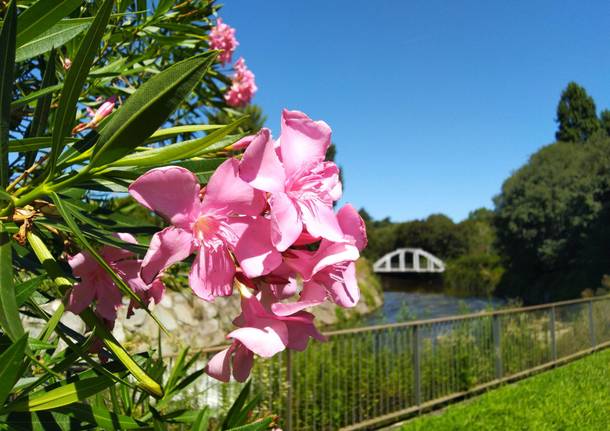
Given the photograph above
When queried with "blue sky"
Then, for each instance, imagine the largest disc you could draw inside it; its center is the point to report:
(432, 103)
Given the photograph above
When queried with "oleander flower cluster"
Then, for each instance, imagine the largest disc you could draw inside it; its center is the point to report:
(243, 85)
(263, 226)
(222, 38)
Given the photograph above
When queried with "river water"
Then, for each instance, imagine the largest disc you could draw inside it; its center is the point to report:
(408, 298)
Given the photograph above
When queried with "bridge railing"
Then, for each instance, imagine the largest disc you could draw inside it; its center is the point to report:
(365, 377)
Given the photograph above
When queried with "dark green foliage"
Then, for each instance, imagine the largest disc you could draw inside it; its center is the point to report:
(473, 265)
(576, 115)
(604, 121)
(255, 121)
(552, 220)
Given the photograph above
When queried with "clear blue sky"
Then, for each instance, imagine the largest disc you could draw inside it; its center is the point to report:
(432, 103)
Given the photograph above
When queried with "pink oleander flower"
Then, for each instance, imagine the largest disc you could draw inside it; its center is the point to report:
(330, 271)
(222, 38)
(97, 115)
(243, 87)
(260, 332)
(97, 286)
(226, 222)
(302, 186)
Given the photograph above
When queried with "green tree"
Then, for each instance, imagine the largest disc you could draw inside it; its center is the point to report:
(576, 115)
(551, 220)
(604, 120)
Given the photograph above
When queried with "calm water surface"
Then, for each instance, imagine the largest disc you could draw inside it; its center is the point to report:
(421, 298)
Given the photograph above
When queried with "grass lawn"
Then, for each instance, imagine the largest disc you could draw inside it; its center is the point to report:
(573, 397)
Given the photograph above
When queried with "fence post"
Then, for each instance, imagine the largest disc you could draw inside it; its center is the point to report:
(497, 338)
(553, 336)
(591, 325)
(289, 394)
(416, 364)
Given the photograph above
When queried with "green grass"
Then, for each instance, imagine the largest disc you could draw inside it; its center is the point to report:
(573, 397)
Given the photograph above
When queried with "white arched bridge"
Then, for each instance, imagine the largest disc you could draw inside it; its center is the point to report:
(409, 260)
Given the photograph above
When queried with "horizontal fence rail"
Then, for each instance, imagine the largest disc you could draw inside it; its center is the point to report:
(365, 377)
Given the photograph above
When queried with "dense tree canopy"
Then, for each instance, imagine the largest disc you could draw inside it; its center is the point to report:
(551, 219)
(576, 115)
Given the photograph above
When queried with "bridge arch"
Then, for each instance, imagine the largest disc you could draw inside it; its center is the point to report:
(408, 260)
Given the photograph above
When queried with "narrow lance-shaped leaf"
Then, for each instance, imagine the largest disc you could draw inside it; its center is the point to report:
(61, 396)
(60, 34)
(7, 71)
(9, 312)
(77, 75)
(41, 16)
(178, 151)
(11, 361)
(43, 107)
(148, 108)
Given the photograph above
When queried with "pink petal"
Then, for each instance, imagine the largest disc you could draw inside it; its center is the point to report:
(260, 165)
(228, 194)
(352, 225)
(212, 273)
(320, 220)
(84, 265)
(315, 296)
(266, 339)
(342, 285)
(81, 297)
(331, 253)
(109, 299)
(242, 363)
(129, 270)
(172, 192)
(303, 141)
(167, 247)
(256, 254)
(219, 366)
(300, 328)
(286, 225)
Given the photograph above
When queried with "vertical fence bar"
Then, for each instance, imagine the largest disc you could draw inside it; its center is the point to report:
(497, 337)
(591, 324)
(553, 333)
(416, 364)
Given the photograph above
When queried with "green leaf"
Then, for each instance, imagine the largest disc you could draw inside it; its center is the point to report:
(144, 380)
(4, 196)
(170, 132)
(148, 108)
(60, 34)
(41, 16)
(201, 422)
(24, 290)
(101, 417)
(178, 151)
(61, 396)
(73, 85)
(29, 144)
(11, 361)
(36, 344)
(233, 415)
(7, 71)
(9, 312)
(40, 119)
(36, 95)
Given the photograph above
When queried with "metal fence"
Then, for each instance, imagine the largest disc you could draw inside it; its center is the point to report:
(365, 377)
